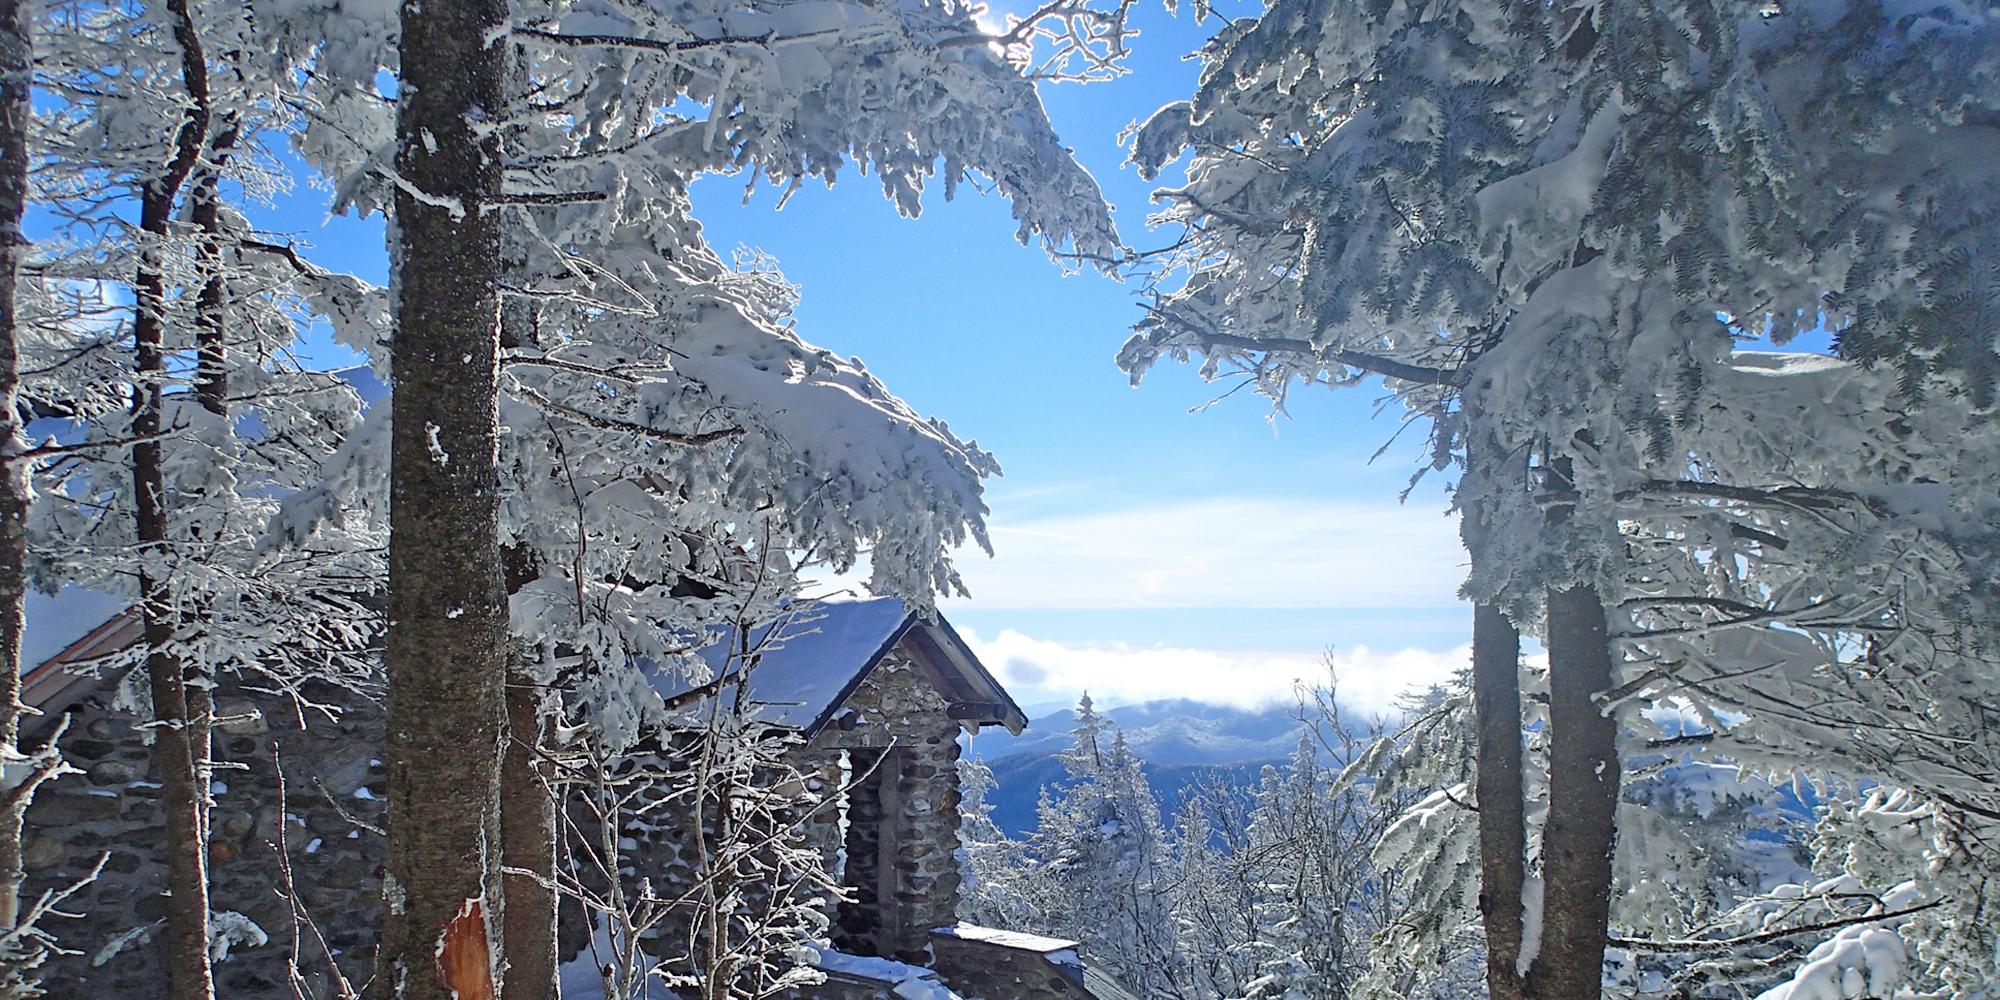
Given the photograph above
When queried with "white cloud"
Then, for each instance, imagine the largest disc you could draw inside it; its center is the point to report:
(1223, 552)
(1036, 670)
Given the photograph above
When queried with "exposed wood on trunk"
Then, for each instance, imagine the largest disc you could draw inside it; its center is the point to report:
(465, 956)
(447, 643)
(1584, 773)
(1503, 836)
(186, 940)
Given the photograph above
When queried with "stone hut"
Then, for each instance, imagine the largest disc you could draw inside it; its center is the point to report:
(326, 821)
(877, 694)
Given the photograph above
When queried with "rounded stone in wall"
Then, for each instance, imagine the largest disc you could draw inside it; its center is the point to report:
(144, 836)
(345, 873)
(241, 718)
(112, 772)
(65, 808)
(41, 851)
(237, 825)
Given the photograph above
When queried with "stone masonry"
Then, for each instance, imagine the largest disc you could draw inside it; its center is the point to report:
(888, 758)
(890, 837)
(901, 857)
(111, 810)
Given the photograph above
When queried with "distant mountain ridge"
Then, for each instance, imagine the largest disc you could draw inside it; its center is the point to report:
(1183, 743)
(1171, 732)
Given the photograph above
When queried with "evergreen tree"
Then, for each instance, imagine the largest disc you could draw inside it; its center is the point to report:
(1545, 226)
(1100, 848)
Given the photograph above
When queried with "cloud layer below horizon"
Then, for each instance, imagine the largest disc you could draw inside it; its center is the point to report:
(1038, 671)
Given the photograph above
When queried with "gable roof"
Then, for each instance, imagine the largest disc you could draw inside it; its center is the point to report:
(806, 667)
(803, 670)
(61, 671)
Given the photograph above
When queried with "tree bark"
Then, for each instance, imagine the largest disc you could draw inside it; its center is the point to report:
(16, 58)
(447, 643)
(189, 976)
(528, 841)
(211, 383)
(1496, 706)
(1503, 833)
(527, 791)
(1584, 773)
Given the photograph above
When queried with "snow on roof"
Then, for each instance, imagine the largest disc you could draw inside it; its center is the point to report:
(1005, 939)
(805, 667)
(1099, 984)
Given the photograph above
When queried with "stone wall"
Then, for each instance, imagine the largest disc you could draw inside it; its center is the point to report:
(909, 834)
(660, 805)
(112, 811)
(1008, 966)
(889, 835)
(902, 833)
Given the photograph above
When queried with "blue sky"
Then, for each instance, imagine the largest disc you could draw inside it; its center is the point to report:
(1142, 550)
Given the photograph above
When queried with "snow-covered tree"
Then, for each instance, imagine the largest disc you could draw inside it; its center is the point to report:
(1543, 225)
(168, 461)
(670, 441)
(1268, 891)
(998, 888)
(1102, 856)
(24, 944)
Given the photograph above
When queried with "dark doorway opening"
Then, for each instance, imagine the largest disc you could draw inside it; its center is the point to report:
(866, 921)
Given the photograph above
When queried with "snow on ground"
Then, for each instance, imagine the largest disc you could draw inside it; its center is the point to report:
(1006, 939)
(911, 982)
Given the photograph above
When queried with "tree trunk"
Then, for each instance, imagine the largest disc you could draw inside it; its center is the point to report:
(527, 791)
(189, 976)
(1503, 835)
(528, 841)
(211, 385)
(1584, 773)
(447, 644)
(16, 58)
(211, 381)
(1496, 705)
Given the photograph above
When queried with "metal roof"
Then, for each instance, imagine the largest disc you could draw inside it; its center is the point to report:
(802, 669)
